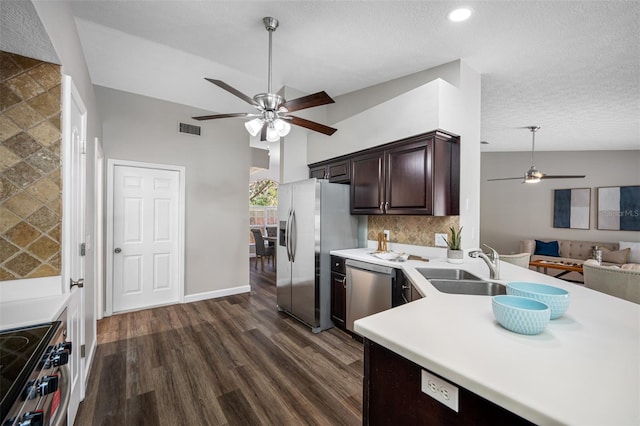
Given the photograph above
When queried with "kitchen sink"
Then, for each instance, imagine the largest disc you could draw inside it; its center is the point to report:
(447, 274)
(459, 281)
(474, 287)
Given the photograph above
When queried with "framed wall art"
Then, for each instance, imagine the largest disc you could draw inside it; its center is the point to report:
(572, 208)
(619, 208)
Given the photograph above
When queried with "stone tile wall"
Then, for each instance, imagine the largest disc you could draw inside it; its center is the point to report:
(30, 168)
(415, 230)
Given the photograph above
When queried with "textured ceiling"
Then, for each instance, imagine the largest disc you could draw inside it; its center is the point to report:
(572, 68)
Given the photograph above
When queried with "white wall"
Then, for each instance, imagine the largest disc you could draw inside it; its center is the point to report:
(411, 113)
(511, 211)
(217, 180)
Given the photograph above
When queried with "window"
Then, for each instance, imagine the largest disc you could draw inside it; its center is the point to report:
(262, 217)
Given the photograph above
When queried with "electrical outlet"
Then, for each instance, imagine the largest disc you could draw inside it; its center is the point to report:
(387, 234)
(439, 389)
(441, 240)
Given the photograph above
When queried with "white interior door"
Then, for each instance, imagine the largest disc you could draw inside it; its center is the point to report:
(74, 166)
(146, 247)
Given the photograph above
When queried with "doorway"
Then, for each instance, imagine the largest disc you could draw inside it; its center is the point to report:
(145, 235)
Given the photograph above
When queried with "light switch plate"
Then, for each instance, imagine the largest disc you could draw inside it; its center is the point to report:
(441, 240)
(439, 389)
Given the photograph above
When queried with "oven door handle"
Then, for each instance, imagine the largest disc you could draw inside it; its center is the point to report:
(65, 385)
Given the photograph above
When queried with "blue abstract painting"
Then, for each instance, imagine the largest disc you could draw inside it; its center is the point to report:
(571, 208)
(619, 208)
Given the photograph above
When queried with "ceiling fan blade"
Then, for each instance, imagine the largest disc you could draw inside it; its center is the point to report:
(512, 178)
(312, 125)
(221, 84)
(310, 101)
(562, 176)
(235, 114)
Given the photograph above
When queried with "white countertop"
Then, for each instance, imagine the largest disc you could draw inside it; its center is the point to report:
(583, 369)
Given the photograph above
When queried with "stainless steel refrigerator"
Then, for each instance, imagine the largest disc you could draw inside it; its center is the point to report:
(313, 219)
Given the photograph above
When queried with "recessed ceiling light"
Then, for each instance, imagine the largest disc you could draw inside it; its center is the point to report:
(459, 15)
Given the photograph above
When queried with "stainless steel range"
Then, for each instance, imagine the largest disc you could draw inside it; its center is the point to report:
(34, 376)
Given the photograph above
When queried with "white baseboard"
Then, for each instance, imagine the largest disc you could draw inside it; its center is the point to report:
(216, 294)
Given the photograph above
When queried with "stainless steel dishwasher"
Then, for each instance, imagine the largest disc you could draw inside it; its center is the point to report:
(369, 289)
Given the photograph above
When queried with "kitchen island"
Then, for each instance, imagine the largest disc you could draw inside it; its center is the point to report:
(583, 369)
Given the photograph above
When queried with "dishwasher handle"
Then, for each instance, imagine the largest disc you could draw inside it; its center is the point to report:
(366, 266)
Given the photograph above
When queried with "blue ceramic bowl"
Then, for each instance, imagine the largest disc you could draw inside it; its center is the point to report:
(556, 298)
(520, 314)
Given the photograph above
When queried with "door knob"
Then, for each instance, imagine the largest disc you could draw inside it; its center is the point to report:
(79, 283)
(118, 250)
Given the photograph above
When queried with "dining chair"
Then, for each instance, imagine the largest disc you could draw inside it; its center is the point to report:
(262, 251)
(272, 231)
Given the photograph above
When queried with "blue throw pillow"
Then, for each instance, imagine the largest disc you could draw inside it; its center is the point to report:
(547, 249)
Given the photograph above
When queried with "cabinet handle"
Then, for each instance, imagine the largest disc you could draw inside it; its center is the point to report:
(344, 282)
(386, 207)
(382, 207)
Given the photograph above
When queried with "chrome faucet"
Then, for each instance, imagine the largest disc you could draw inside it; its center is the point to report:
(492, 260)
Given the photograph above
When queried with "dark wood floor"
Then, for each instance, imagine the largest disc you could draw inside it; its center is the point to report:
(234, 360)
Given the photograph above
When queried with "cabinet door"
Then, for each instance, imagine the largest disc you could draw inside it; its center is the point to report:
(409, 188)
(393, 395)
(318, 172)
(367, 184)
(339, 171)
(338, 299)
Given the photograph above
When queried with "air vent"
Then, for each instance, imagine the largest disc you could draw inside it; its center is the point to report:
(190, 129)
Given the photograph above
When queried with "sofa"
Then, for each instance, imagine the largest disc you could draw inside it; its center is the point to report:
(622, 282)
(573, 251)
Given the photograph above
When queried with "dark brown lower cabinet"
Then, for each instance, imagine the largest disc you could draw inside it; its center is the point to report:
(338, 292)
(392, 395)
(338, 299)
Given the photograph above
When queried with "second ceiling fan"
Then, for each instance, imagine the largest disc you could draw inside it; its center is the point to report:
(534, 175)
(273, 120)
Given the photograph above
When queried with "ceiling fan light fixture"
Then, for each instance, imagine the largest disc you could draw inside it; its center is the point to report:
(282, 127)
(272, 133)
(254, 126)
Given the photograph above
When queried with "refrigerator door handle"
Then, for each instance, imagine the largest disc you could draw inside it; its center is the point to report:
(288, 232)
(294, 236)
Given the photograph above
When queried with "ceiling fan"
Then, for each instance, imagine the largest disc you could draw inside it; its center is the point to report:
(534, 175)
(273, 120)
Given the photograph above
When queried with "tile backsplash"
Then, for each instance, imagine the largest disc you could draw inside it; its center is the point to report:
(30, 168)
(414, 230)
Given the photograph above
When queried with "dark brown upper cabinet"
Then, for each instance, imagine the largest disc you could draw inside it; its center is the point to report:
(337, 171)
(419, 175)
